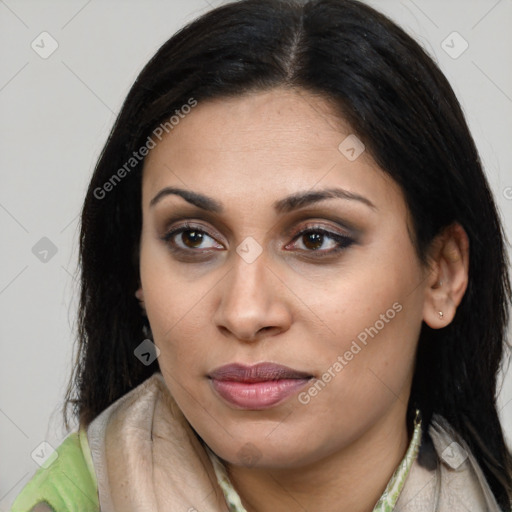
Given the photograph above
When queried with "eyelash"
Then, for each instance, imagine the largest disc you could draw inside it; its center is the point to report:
(343, 241)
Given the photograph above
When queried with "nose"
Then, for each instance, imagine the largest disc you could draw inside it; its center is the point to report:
(253, 301)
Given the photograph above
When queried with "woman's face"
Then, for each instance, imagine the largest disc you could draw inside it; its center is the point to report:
(262, 265)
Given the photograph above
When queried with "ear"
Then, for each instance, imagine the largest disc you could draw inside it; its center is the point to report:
(448, 277)
(139, 294)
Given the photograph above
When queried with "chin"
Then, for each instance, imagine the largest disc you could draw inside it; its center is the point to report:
(257, 451)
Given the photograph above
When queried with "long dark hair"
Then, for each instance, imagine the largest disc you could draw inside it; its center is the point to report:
(399, 104)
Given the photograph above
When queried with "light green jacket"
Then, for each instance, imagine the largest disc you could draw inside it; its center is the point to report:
(68, 484)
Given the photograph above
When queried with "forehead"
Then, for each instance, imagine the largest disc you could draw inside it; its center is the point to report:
(273, 142)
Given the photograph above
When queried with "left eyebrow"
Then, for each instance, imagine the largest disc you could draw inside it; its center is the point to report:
(302, 199)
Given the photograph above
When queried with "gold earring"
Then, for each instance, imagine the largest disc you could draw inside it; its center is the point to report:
(441, 314)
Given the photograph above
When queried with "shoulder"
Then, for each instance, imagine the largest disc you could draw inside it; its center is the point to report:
(66, 482)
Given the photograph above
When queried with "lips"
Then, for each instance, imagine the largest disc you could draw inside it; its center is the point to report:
(257, 387)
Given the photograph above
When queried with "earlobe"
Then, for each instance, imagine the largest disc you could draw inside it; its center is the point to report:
(139, 294)
(439, 310)
(448, 277)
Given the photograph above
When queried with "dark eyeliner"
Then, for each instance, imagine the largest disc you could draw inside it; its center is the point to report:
(343, 241)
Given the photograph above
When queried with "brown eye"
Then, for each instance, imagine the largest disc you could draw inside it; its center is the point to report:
(313, 240)
(190, 238)
(321, 241)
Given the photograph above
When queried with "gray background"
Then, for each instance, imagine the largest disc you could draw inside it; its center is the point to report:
(55, 117)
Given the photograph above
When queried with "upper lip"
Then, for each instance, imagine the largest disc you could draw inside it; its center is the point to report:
(260, 372)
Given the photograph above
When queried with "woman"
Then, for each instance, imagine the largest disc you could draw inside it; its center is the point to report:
(294, 282)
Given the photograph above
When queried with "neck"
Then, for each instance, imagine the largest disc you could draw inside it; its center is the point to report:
(350, 480)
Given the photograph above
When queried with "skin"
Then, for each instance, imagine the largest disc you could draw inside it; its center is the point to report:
(208, 306)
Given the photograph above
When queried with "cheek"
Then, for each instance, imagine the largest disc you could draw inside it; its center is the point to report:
(166, 296)
(372, 317)
(374, 295)
(364, 369)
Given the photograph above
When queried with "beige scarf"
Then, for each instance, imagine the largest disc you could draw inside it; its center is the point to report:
(147, 458)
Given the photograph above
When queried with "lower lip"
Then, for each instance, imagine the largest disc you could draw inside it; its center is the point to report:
(257, 395)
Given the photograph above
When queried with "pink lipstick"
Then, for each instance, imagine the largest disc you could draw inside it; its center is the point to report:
(257, 387)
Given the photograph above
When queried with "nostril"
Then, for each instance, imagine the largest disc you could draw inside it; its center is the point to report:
(265, 329)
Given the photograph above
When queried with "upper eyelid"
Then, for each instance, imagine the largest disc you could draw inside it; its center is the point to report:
(188, 213)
